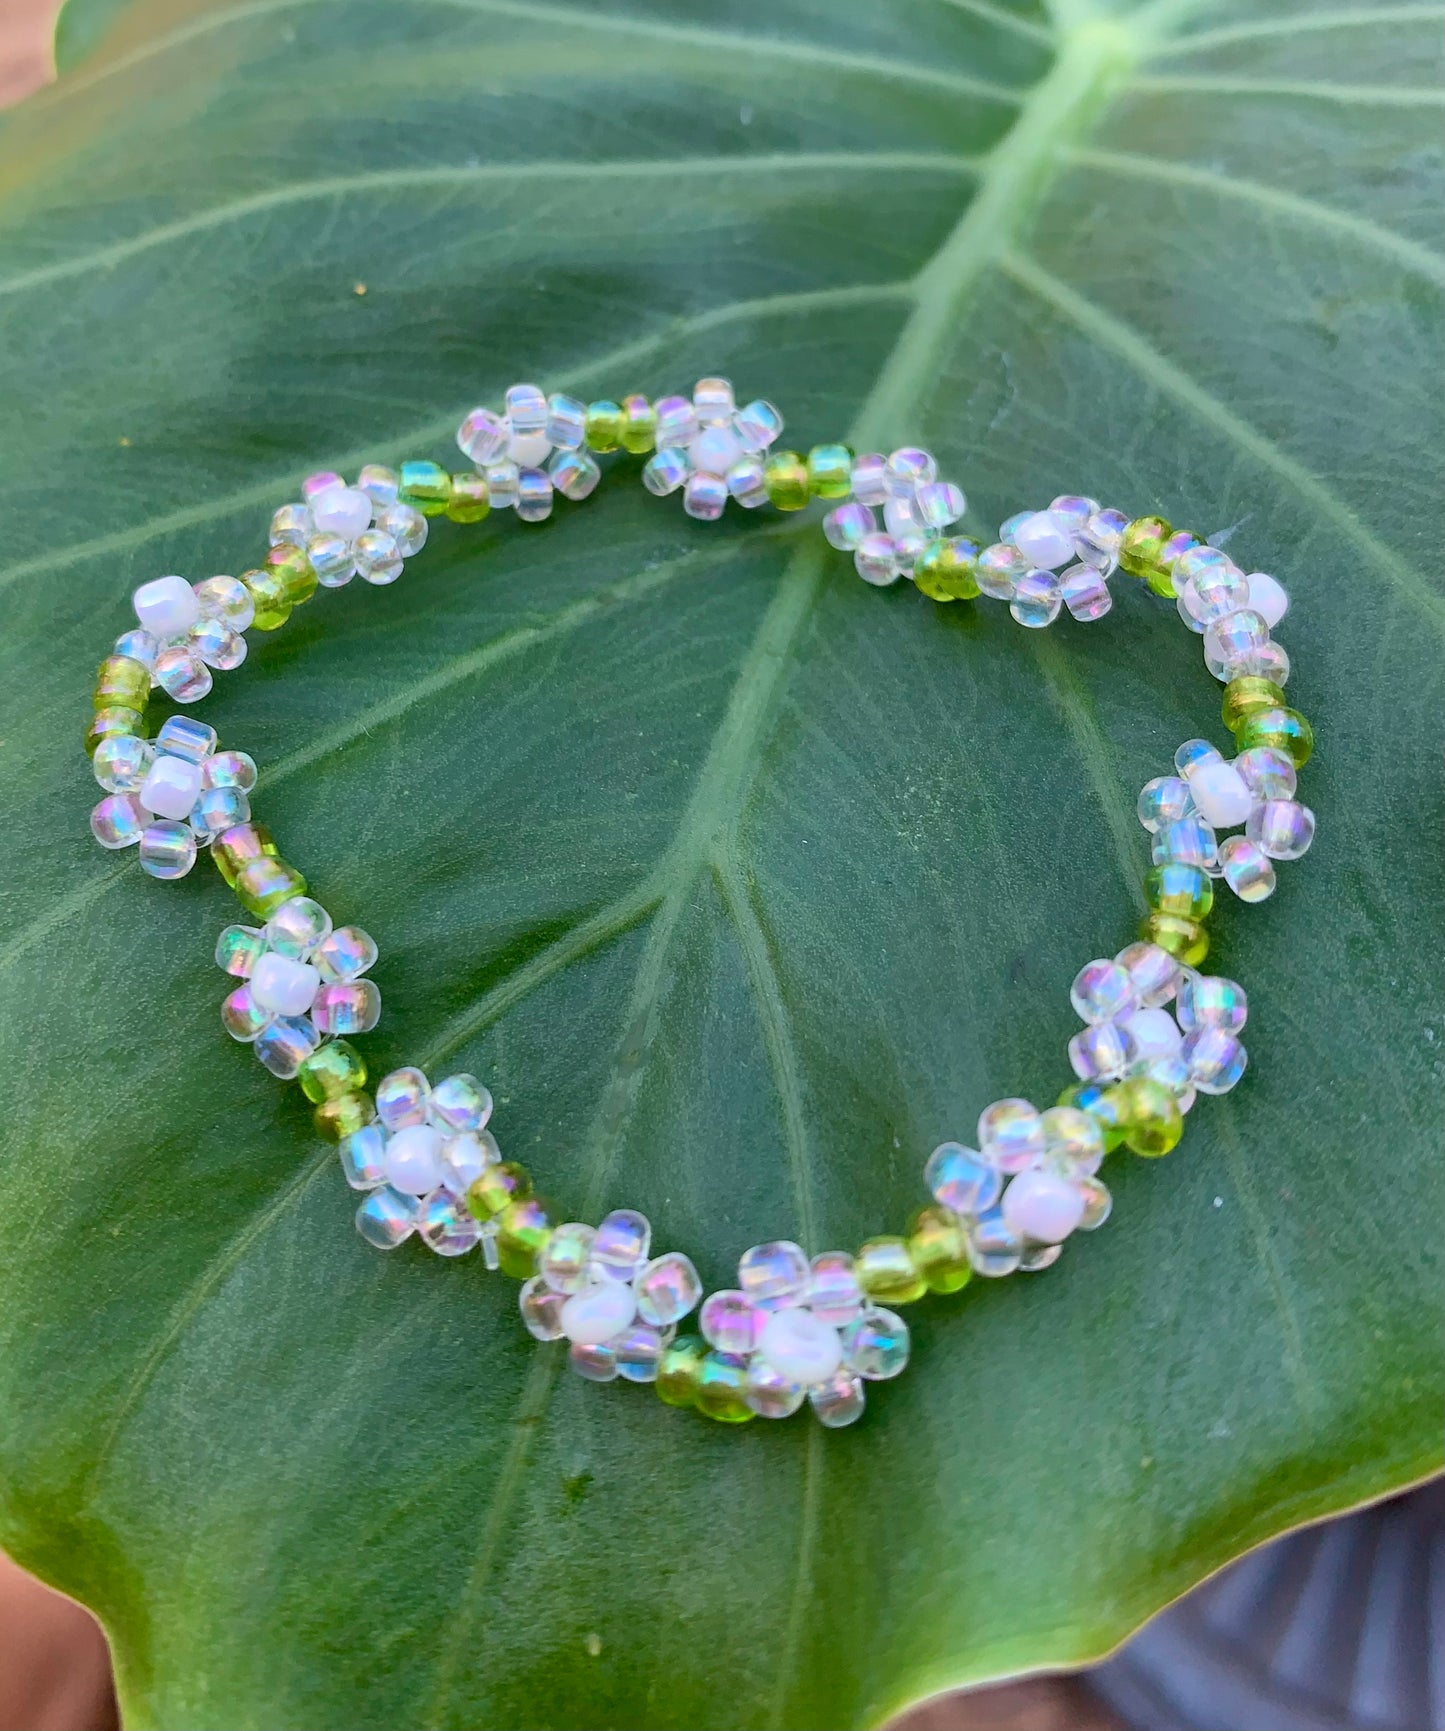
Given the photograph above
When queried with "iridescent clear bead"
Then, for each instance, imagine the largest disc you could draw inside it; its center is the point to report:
(869, 478)
(541, 1309)
(534, 495)
(1247, 869)
(229, 769)
(1100, 1053)
(331, 559)
(1190, 841)
(446, 1225)
(1085, 592)
(566, 421)
(668, 1289)
(284, 1044)
(704, 496)
(1010, 1135)
(875, 559)
(845, 527)
(562, 1262)
(621, 1246)
(665, 471)
(729, 1322)
(167, 848)
(1101, 991)
(183, 675)
(747, 482)
(993, 1249)
(1216, 1059)
(466, 1156)
(462, 1103)
(1268, 773)
(1209, 1001)
(999, 568)
(402, 1099)
(387, 1218)
(120, 820)
(961, 1179)
(757, 425)
(593, 1363)
(363, 1157)
(1154, 971)
(875, 1345)
(1281, 828)
(834, 1293)
(840, 1401)
(406, 526)
(769, 1393)
(774, 1275)
(574, 474)
(345, 954)
(297, 926)
(379, 483)
(483, 436)
(378, 558)
(292, 526)
(1036, 599)
(502, 481)
(1073, 1141)
(226, 599)
(638, 1351)
(1098, 1204)
(241, 1016)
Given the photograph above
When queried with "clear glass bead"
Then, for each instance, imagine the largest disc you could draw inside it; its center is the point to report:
(238, 949)
(747, 482)
(1074, 509)
(994, 1248)
(940, 503)
(139, 645)
(839, 1401)
(241, 1016)
(345, 954)
(768, 1392)
(331, 559)
(297, 927)
(1100, 1053)
(378, 558)
(1037, 1257)
(876, 1345)
(534, 495)
(466, 1156)
(446, 1225)
(292, 526)
(227, 599)
(541, 1308)
(846, 525)
(1216, 1059)
(713, 401)
(526, 409)
(667, 1289)
(219, 809)
(1269, 661)
(1164, 800)
(284, 1044)
(676, 421)
(566, 422)
(406, 526)
(1209, 1001)
(347, 1007)
(379, 483)
(182, 674)
(665, 471)
(961, 1179)
(908, 469)
(461, 1102)
(403, 1098)
(321, 482)
(1101, 991)
(757, 425)
(483, 436)
(834, 1293)
(1268, 773)
(229, 769)
(639, 1351)
(593, 1363)
(1190, 841)
(1215, 592)
(502, 480)
(120, 820)
(1010, 1135)
(704, 496)
(1246, 868)
(1194, 752)
(1281, 828)
(901, 518)
(774, 1275)
(869, 478)
(729, 1323)
(1182, 607)
(562, 1261)
(1098, 1204)
(1086, 593)
(999, 568)
(1153, 970)
(622, 1243)
(1073, 1141)
(875, 559)
(387, 1218)
(574, 474)
(1232, 636)
(167, 848)
(1036, 599)
(363, 1157)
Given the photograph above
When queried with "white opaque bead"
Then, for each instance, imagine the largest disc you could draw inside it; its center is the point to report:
(166, 606)
(1221, 794)
(1267, 597)
(528, 450)
(283, 985)
(1044, 1206)
(801, 1347)
(1044, 539)
(598, 1313)
(342, 511)
(715, 450)
(171, 787)
(414, 1162)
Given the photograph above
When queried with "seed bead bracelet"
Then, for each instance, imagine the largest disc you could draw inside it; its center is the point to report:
(1155, 1033)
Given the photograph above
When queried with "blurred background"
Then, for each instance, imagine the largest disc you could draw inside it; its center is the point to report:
(1335, 1628)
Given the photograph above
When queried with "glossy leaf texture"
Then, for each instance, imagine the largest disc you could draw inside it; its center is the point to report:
(742, 884)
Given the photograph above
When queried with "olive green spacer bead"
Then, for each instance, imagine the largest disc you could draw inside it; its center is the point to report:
(1285, 730)
(425, 486)
(1142, 543)
(263, 884)
(1179, 889)
(297, 573)
(887, 1272)
(497, 1187)
(470, 499)
(1246, 696)
(946, 570)
(343, 1116)
(1186, 940)
(243, 841)
(678, 1370)
(721, 1381)
(121, 682)
(113, 722)
(602, 430)
(785, 477)
(939, 1250)
(1153, 1122)
(523, 1228)
(830, 471)
(1097, 1099)
(332, 1070)
(268, 597)
(639, 425)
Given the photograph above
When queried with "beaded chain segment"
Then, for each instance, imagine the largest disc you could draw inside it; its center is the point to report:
(1156, 1031)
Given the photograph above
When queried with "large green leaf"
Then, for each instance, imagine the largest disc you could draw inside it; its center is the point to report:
(742, 883)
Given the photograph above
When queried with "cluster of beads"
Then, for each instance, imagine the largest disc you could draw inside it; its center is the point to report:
(1157, 1033)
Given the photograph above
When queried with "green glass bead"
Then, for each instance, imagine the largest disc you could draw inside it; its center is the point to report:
(333, 1069)
(1186, 940)
(1097, 1099)
(263, 884)
(947, 569)
(425, 486)
(603, 428)
(244, 841)
(111, 723)
(1141, 545)
(498, 1186)
(887, 1272)
(121, 682)
(785, 478)
(1179, 889)
(639, 425)
(830, 471)
(1153, 1122)
(523, 1228)
(297, 573)
(679, 1369)
(720, 1382)
(1246, 696)
(1284, 729)
(470, 501)
(344, 1115)
(268, 597)
(939, 1250)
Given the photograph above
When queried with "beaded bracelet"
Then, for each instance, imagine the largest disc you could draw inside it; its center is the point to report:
(794, 1327)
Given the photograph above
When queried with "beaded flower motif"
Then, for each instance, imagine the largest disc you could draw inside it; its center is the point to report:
(184, 630)
(916, 508)
(713, 450)
(533, 448)
(603, 1291)
(171, 795)
(301, 984)
(362, 531)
